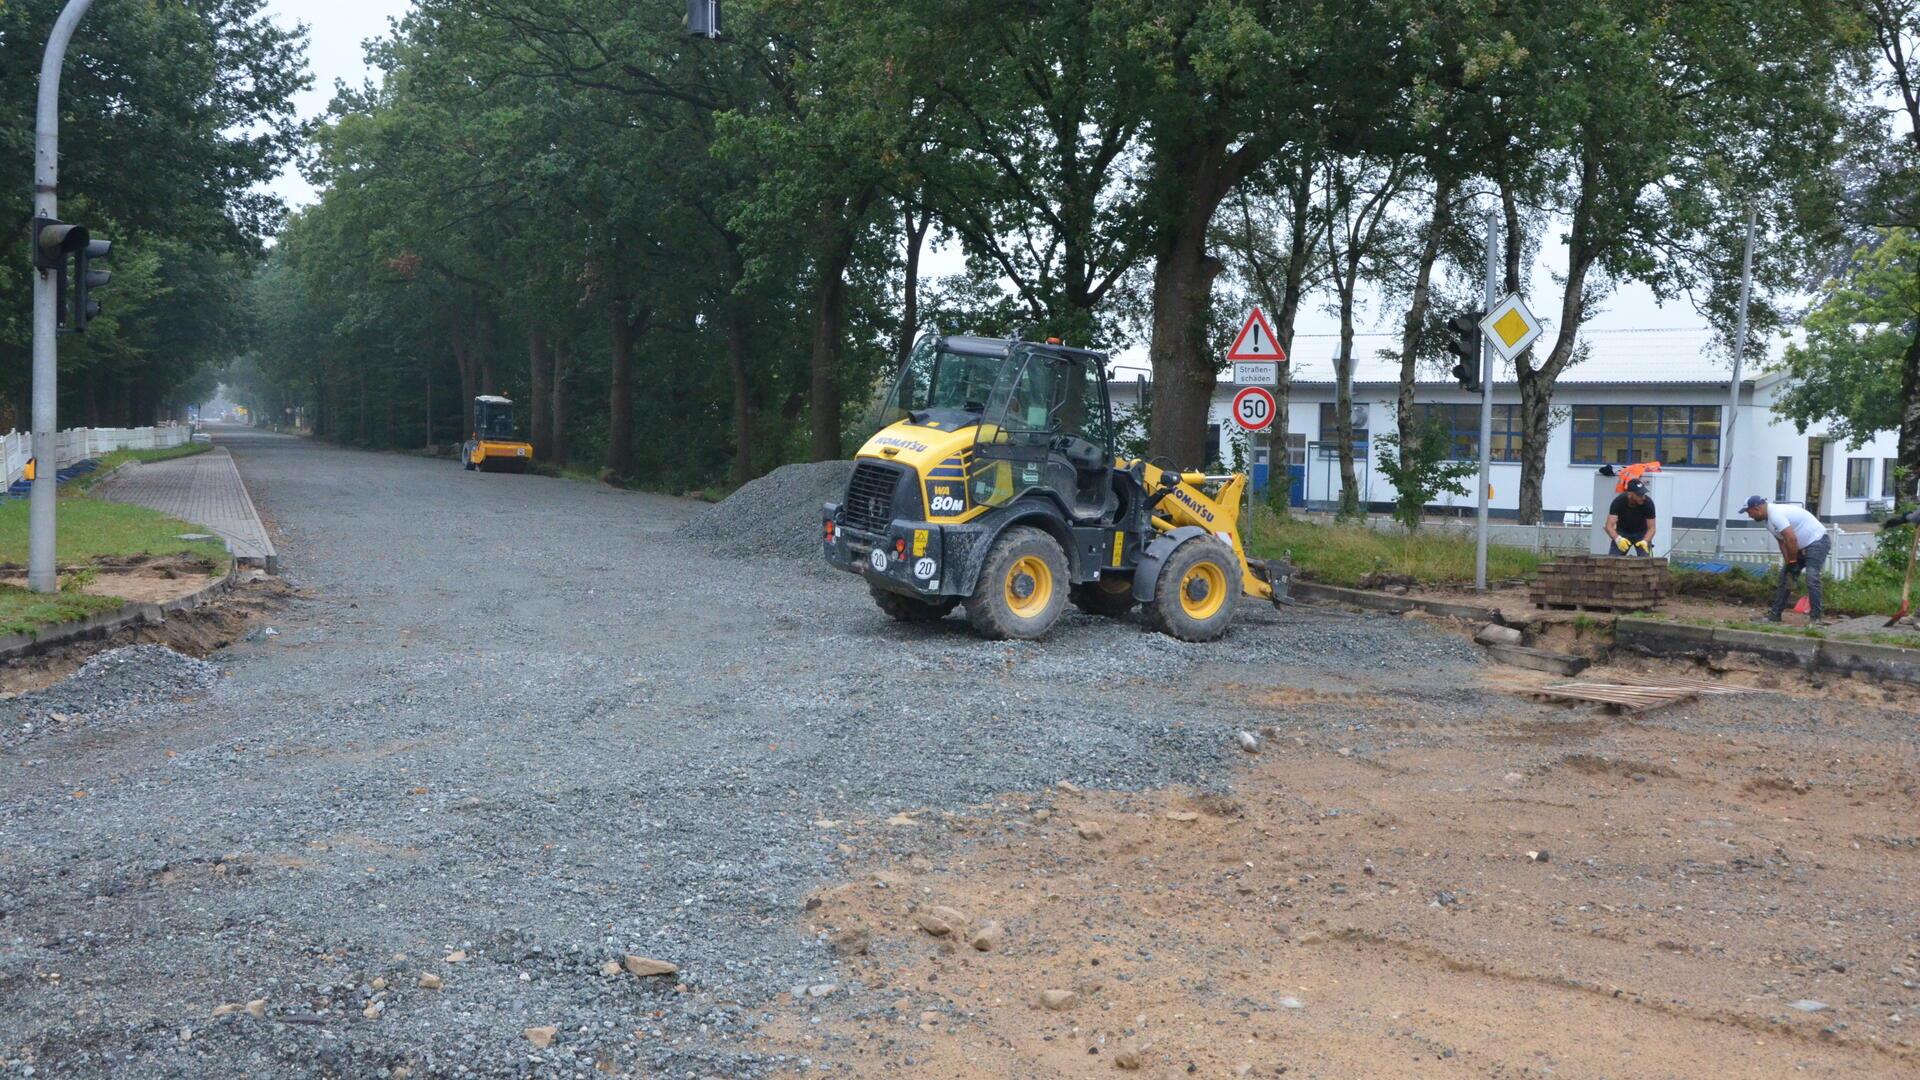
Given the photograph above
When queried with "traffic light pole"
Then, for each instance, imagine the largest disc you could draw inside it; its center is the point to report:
(1486, 404)
(42, 571)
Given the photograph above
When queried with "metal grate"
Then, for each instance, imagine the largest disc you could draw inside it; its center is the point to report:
(869, 505)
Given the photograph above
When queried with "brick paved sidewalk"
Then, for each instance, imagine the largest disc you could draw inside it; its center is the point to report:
(204, 489)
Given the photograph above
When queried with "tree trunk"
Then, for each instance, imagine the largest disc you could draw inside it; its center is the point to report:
(829, 317)
(1910, 415)
(558, 393)
(486, 342)
(910, 292)
(1343, 396)
(539, 391)
(1536, 383)
(619, 462)
(427, 373)
(460, 340)
(1202, 173)
(1299, 260)
(1417, 310)
(737, 316)
(1510, 213)
(362, 418)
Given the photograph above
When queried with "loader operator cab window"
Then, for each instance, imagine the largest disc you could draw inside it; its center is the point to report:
(492, 418)
(1046, 426)
(942, 377)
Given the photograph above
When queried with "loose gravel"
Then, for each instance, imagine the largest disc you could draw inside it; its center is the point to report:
(776, 516)
(109, 687)
(545, 725)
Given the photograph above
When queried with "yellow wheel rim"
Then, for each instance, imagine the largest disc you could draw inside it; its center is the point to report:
(1203, 591)
(1029, 586)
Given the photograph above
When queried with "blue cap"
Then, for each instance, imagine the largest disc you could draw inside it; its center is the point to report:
(1756, 500)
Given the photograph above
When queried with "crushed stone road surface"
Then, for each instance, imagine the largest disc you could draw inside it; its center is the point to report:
(524, 728)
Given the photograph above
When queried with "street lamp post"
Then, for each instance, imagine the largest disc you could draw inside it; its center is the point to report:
(42, 572)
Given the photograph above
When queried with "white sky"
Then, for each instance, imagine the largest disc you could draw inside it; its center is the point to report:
(337, 29)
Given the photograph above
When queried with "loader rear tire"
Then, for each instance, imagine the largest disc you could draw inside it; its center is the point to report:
(1112, 597)
(1198, 590)
(1022, 587)
(907, 609)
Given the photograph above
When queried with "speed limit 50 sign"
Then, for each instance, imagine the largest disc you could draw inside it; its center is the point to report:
(1253, 409)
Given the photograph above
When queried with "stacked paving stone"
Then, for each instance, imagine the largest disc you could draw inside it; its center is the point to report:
(1602, 583)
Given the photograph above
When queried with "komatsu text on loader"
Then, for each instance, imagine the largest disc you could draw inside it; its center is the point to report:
(994, 484)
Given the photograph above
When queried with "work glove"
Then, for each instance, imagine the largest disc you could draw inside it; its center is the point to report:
(1643, 548)
(1622, 543)
(1911, 517)
(1796, 566)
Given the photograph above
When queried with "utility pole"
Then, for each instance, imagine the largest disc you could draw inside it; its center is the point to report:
(42, 569)
(1733, 392)
(1486, 402)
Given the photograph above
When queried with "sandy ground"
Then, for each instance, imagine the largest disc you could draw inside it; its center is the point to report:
(1581, 895)
(198, 632)
(142, 579)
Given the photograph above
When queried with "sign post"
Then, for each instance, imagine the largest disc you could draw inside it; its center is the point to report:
(1256, 356)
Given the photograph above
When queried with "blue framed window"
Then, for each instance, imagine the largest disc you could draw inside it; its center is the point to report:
(1463, 429)
(1677, 436)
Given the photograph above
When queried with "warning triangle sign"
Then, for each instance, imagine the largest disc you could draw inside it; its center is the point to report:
(1256, 340)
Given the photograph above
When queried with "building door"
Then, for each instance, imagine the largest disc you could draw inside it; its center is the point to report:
(1816, 473)
(1297, 469)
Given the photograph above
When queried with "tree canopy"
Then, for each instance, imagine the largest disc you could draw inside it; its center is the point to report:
(173, 117)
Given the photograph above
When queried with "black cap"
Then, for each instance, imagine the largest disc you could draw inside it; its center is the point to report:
(1636, 487)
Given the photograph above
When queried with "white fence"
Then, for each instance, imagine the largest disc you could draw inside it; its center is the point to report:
(79, 444)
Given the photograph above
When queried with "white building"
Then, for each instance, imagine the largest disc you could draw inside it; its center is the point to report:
(1655, 395)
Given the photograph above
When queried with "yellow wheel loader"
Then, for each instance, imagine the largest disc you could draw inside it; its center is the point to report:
(493, 447)
(993, 484)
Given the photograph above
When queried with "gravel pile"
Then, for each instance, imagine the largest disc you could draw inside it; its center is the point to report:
(776, 516)
(109, 685)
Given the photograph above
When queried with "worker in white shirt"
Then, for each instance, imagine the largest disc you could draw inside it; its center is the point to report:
(1803, 551)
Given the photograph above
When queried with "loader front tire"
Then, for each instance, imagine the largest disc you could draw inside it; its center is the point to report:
(907, 609)
(1112, 597)
(1198, 590)
(1022, 587)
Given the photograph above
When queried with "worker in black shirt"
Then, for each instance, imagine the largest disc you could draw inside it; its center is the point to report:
(1631, 521)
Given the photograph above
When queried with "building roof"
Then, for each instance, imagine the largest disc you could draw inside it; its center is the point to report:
(1623, 357)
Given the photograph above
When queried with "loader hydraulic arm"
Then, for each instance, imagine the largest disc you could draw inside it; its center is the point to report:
(1181, 498)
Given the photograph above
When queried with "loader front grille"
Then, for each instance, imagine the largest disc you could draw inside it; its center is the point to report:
(869, 505)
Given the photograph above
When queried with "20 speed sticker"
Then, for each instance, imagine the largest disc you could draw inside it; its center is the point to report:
(924, 568)
(878, 559)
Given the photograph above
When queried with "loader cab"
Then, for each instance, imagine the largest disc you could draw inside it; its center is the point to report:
(1039, 413)
(492, 418)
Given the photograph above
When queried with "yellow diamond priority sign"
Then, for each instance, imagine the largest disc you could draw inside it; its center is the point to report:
(1510, 326)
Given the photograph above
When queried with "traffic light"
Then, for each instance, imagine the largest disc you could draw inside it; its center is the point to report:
(53, 242)
(86, 279)
(1465, 332)
(703, 18)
